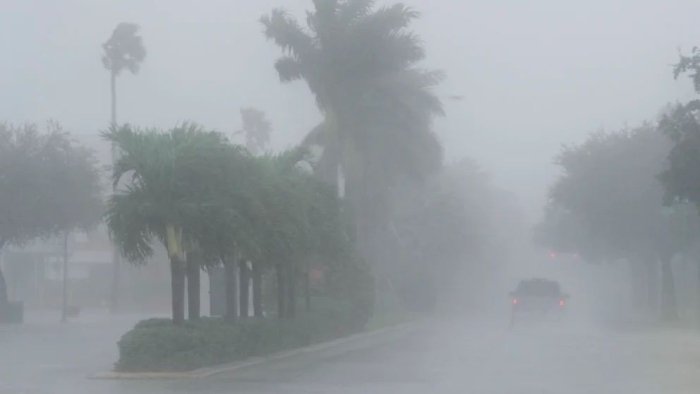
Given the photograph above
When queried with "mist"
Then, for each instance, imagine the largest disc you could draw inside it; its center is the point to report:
(508, 208)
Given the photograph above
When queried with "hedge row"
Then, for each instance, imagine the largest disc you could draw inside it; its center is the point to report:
(156, 345)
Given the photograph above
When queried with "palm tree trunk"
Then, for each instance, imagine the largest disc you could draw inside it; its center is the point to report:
(231, 290)
(177, 283)
(698, 284)
(64, 300)
(4, 300)
(113, 92)
(116, 258)
(652, 276)
(257, 290)
(636, 272)
(193, 289)
(281, 292)
(291, 292)
(244, 289)
(669, 309)
(307, 291)
(116, 273)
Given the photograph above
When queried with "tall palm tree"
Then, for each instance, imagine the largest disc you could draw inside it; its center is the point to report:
(361, 63)
(170, 183)
(123, 51)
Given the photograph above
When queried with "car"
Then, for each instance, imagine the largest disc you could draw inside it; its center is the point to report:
(537, 299)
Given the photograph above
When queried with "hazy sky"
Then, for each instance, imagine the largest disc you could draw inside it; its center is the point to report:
(534, 74)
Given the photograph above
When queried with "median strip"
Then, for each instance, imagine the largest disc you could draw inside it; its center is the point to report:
(232, 367)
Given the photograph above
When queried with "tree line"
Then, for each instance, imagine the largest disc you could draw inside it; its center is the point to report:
(633, 195)
(210, 202)
(344, 195)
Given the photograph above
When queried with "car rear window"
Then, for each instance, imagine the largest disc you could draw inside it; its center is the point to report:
(539, 288)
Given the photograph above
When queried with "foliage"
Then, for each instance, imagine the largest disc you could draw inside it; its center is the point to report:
(169, 179)
(193, 190)
(608, 205)
(447, 229)
(681, 124)
(680, 178)
(158, 345)
(609, 188)
(256, 128)
(174, 190)
(124, 50)
(48, 183)
(691, 65)
(360, 62)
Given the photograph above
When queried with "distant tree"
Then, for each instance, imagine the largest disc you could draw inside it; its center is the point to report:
(123, 51)
(689, 64)
(256, 129)
(681, 177)
(681, 123)
(48, 186)
(608, 205)
(447, 229)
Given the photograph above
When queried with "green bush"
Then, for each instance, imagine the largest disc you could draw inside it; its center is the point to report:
(156, 345)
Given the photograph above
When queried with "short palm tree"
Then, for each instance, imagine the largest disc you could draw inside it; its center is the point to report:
(170, 180)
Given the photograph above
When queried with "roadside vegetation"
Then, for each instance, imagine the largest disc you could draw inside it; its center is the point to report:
(359, 225)
(632, 196)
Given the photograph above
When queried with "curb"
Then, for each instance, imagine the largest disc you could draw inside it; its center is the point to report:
(253, 361)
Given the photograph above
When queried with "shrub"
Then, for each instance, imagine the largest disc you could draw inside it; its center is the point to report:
(156, 345)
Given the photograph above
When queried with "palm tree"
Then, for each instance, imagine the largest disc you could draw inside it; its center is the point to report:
(256, 129)
(123, 51)
(171, 182)
(360, 62)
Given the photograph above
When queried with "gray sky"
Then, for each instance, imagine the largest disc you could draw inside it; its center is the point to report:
(534, 74)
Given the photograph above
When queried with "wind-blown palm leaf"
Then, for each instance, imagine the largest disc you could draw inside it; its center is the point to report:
(353, 11)
(131, 223)
(124, 49)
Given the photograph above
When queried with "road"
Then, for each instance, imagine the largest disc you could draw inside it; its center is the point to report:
(457, 356)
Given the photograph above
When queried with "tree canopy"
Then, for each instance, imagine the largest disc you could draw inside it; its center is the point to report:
(48, 185)
(361, 63)
(124, 49)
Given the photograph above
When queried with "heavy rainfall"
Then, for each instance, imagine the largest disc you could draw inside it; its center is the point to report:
(349, 196)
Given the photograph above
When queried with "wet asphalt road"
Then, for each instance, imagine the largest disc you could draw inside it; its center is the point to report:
(457, 356)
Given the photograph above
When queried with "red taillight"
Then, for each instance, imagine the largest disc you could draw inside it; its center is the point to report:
(562, 302)
(515, 301)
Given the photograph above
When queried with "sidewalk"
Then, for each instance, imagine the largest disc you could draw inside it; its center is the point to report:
(43, 352)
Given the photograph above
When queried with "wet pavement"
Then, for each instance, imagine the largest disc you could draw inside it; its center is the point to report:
(457, 356)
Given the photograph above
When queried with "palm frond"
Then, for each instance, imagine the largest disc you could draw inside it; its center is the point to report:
(352, 11)
(130, 220)
(289, 69)
(287, 34)
(388, 20)
(124, 49)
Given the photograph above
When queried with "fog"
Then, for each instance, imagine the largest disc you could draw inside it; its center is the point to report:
(530, 87)
(533, 75)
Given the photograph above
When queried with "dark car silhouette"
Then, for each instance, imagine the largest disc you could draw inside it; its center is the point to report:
(537, 299)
